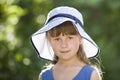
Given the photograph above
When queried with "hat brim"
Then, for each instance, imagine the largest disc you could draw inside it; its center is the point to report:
(44, 49)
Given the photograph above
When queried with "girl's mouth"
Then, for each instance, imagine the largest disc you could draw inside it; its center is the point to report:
(64, 52)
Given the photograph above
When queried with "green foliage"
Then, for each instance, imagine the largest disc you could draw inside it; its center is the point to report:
(20, 18)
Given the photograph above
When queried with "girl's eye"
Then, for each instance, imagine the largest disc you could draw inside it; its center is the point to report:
(70, 37)
(57, 39)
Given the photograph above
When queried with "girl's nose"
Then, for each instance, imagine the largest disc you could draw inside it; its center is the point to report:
(64, 43)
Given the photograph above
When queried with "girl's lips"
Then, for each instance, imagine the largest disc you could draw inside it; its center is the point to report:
(64, 52)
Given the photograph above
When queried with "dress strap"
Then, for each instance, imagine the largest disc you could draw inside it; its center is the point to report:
(85, 73)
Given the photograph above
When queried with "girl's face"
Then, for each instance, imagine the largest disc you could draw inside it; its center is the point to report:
(65, 40)
(66, 46)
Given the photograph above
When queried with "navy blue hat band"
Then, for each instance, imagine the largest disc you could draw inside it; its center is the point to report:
(68, 16)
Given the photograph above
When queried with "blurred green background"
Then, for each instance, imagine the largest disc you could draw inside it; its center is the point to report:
(21, 18)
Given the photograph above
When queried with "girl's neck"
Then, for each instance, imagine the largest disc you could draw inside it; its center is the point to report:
(71, 62)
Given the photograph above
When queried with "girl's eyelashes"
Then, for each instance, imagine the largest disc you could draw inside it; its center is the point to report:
(70, 37)
(56, 39)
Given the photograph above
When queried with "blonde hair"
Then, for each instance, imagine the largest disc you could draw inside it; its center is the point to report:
(67, 28)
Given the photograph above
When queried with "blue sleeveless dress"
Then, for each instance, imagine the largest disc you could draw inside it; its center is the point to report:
(84, 74)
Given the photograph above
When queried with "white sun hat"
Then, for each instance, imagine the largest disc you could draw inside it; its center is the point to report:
(56, 17)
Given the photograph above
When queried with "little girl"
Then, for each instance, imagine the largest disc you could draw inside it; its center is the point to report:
(64, 42)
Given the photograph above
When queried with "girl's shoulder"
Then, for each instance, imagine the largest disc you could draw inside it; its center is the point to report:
(85, 73)
(46, 73)
(88, 68)
(91, 73)
(46, 70)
